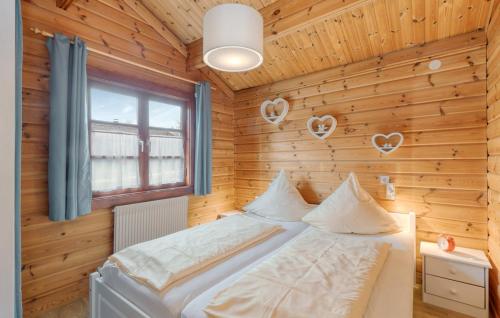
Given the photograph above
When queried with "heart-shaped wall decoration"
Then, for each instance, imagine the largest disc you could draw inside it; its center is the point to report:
(274, 111)
(321, 127)
(387, 143)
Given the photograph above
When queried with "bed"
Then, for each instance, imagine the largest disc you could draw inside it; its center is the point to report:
(113, 294)
(111, 279)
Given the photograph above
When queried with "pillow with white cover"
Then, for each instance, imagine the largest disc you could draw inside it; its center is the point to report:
(350, 209)
(282, 201)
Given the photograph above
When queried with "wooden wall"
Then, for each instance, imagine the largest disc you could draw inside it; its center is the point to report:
(493, 83)
(440, 171)
(58, 256)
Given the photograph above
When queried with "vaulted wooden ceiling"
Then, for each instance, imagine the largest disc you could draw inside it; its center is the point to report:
(305, 36)
(185, 17)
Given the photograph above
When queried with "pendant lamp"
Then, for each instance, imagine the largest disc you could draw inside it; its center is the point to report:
(233, 38)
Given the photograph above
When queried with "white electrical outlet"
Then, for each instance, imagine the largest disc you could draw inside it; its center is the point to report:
(390, 191)
(384, 179)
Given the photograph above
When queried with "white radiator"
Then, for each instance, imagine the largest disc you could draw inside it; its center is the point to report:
(136, 223)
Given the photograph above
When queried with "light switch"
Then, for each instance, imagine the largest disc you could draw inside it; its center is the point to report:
(390, 191)
(384, 179)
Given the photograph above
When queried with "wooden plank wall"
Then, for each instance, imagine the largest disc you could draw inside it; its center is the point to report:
(439, 172)
(205, 209)
(58, 256)
(493, 99)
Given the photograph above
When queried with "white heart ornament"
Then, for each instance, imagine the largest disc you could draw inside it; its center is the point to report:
(387, 147)
(322, 133)
(274, 118)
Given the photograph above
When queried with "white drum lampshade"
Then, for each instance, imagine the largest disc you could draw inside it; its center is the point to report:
(233, 38)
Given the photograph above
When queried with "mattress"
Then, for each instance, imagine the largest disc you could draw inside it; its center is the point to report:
(171, 303)
(392, 295)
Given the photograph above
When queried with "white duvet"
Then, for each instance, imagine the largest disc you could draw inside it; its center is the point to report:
(160, 263)
(317, 274)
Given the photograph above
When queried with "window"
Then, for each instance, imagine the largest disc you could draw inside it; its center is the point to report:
(140, 145)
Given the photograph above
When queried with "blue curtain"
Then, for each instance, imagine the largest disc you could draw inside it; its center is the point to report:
(19, 123)
(203, 143)
(70, 192)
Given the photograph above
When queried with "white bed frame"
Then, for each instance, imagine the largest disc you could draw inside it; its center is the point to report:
(105, 302)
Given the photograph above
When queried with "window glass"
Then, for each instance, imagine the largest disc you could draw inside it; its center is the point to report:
(166, 155)
(114, 141)
(113, 107)
(164, 115)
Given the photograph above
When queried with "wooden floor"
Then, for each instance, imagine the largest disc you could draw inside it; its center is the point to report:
(78, 309)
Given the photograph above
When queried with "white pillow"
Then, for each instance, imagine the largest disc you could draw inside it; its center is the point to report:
(282, 201)
(350, 209)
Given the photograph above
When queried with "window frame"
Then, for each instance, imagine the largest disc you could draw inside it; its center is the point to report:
(146, 192)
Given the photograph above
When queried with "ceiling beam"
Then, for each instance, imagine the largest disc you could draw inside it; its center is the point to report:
(326, 9)
(494, 9)
(219, 82)
(63, 4)
(156, 24)
(284, 17)
(195, 55)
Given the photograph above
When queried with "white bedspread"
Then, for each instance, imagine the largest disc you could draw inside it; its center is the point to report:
(171, 303)
(317, 274)
(161, 262)
(392, 295)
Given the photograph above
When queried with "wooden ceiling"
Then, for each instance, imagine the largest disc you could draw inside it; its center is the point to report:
(368, 28)
(185, 18)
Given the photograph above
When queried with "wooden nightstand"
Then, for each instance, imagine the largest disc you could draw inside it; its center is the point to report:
(456, 280)
(227, 213)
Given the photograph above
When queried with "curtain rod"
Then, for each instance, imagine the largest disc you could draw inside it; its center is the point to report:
(90, 49)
